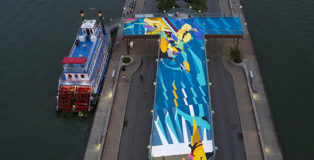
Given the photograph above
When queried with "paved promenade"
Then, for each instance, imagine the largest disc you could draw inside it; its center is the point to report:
(112, 140)
(102, 114)
(251, 108)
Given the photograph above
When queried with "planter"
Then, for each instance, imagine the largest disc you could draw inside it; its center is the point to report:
(127, 60)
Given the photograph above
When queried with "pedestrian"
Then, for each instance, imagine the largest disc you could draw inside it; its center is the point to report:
(118, 43)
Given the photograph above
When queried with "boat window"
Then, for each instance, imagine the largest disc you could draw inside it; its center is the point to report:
(82, 76)
(76, 76)
(91, 31)
(69, 75)
(84, 31)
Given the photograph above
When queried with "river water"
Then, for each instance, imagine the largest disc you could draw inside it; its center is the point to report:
(283, 38)
(36, 34)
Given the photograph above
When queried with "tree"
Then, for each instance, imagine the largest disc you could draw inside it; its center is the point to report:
(166, 4)
(199, 5)
(235, 54)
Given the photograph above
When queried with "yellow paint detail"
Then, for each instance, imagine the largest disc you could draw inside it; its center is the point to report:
(163, 45)
(175, 94)
(130, 21)
(187, 38)
(174, 86)
(175, 102)
(186, 27)
(198, 153)
(174, 49)
(156, 23)
(187, 65)
(195, 138)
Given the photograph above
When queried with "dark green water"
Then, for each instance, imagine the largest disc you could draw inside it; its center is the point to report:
(283, 37)
(34, 37)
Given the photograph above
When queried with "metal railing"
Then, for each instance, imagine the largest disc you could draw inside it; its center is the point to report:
(150, 138)
(180, 15)
(209, 103)
(205, 32)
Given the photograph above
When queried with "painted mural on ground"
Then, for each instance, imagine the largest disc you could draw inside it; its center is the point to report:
(182, 119)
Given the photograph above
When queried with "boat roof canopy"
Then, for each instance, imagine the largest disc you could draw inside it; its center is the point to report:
(88, 24)
(74, 60)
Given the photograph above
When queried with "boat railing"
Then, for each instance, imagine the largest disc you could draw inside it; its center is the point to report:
(75, 82)
(89, 56)
(73, 69)
(94, 57)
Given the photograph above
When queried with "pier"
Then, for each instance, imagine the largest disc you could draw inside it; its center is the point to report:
(107, 130)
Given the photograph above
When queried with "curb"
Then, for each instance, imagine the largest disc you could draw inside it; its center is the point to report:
(257, 122)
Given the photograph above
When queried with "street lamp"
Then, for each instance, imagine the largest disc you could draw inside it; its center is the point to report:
(199, 11)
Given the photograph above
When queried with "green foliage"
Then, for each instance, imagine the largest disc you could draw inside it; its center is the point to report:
(164, 5)
(199, 5)
(126, 60)
(235, 55)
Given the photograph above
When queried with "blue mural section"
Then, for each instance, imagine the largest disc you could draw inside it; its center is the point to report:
(182, 91)
(208, 25)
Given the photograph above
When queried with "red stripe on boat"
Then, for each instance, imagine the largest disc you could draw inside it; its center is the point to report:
(74, 60)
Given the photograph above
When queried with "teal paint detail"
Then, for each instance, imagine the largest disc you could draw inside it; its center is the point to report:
(166, 97)
(178, 124)
(199, 121)
(200, 77)
(202, 91)
(161, 128)
(201, 110)
(193, 92)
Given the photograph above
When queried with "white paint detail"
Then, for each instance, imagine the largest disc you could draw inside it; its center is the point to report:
(186, 103)
(204, 135)
(191, 110)
(184, 129)
(173, 137)
(178, 149)
(161, 135)
(183, 91)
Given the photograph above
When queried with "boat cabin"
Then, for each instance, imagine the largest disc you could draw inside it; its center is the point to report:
(88, 29)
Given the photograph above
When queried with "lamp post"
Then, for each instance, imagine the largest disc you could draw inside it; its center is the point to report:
(82, 15)
(101, 21)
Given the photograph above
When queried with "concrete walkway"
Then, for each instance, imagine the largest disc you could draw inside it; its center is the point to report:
(102, 114)
(112, 139)
(251, 109)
